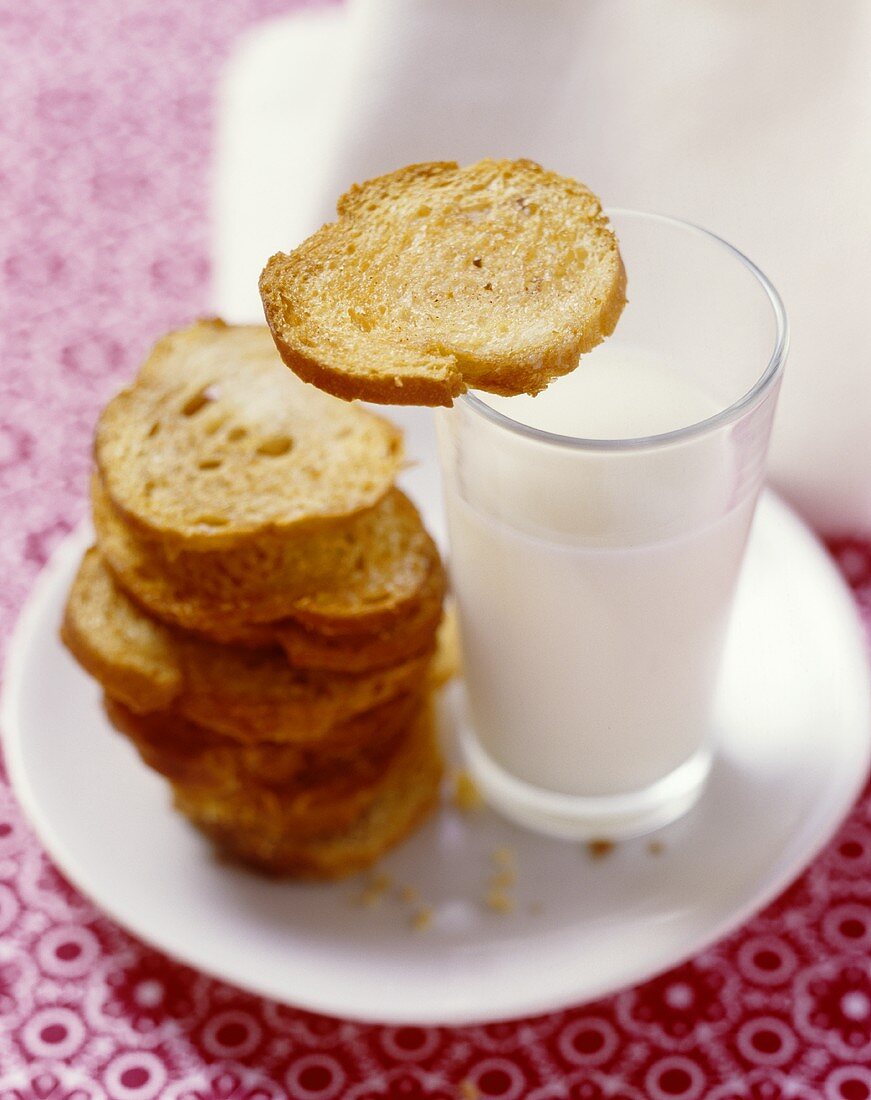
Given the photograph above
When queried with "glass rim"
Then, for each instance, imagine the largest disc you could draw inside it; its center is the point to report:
(728, 415)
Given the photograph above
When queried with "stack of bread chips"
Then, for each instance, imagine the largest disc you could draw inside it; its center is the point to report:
(261, 605)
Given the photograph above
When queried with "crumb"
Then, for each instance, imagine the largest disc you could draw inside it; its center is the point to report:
(374, 890)
(600, 849)
(535, 907)
(656, 847)
(467, 798)
(380, 881)
(501, 880)
(422, 918)
(409, 894)
(469, 1090)
(499, 901)
(446, 662)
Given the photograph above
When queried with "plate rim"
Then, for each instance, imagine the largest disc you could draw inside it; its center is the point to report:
(803, 847)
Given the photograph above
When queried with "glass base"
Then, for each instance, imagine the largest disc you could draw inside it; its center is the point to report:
(576, 817)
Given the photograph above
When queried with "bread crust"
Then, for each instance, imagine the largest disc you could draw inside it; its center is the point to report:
(333, 379)
(413, 633)
(188, 753)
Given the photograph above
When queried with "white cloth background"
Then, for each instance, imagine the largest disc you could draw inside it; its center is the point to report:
(751, 117)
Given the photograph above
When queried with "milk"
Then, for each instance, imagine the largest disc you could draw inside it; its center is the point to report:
(594, 587)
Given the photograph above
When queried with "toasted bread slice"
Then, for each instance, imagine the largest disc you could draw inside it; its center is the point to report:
(131, 655)
(436, 278)
(409, 792)
(250, 694)
(195, 756)
(413, 633)
(338, 612)
(373, 569)
(446, 662)
(262, 787)
(215, 444)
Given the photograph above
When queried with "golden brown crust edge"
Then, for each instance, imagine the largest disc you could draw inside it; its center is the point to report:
(145, 572)
(141, 694)
(379, 391)
(328, 858)
(311, 865)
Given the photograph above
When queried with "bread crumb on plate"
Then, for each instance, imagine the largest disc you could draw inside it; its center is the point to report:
(422, 918)
(499, 902)
(504, 857)
(466, 796)
(376, 887)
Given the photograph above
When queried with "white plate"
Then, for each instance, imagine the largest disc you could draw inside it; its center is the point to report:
(795, 716)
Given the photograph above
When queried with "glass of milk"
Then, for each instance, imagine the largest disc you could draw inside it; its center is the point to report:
(596, 535)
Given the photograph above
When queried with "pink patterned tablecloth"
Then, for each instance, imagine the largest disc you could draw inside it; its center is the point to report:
(105, 130)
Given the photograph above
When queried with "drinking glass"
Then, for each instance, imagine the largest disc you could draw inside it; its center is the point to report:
(594, 577)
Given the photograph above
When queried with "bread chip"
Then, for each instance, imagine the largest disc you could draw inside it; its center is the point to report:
(214, 445)
(414, 633)
(409, 791)
(233, 784)
(130, 654)
(436, 278)
(446, 663)
(195, 756)
(252, 695)
(366, 572)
